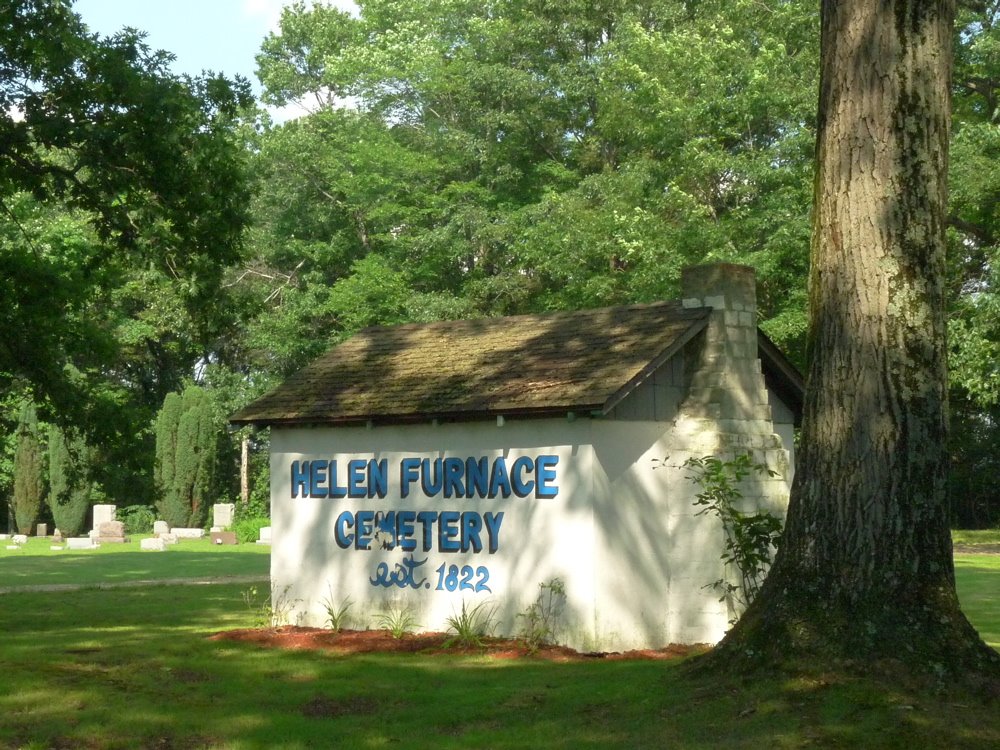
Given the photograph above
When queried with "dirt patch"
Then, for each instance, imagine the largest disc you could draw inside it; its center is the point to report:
(434, 644)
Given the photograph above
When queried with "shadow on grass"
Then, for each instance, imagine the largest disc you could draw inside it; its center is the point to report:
(135, 668)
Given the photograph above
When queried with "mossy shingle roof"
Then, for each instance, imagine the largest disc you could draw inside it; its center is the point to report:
(527, 364)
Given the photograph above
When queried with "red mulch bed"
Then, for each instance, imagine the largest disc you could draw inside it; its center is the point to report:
(382, 642)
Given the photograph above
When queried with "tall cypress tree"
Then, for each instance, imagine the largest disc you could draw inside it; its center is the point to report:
(164, 470)
(29, 487)
(188, 434)
(69, 483)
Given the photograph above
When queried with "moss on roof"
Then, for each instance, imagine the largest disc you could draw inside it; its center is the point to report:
(574, 361)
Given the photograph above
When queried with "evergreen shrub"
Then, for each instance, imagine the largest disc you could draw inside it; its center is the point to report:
(189, 440)
(29, 478)
(70, 488)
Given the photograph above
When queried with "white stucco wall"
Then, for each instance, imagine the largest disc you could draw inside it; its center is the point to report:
(621, 532)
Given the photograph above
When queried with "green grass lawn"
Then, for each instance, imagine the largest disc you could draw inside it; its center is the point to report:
(135, 668)
(977, 578)
(36, 564)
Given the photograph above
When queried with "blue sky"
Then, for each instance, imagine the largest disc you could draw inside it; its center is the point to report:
(219, 35)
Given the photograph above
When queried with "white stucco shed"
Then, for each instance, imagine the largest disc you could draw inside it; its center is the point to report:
(418, 467)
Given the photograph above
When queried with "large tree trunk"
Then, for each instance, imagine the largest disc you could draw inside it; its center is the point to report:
(865, 568)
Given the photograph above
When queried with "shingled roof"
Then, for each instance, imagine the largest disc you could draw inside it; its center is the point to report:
(584, 361)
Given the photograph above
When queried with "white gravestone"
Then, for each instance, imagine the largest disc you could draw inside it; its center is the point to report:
(80, 542)
(103, 514)
(154, 544)
(160, 528)
(188, 533)
(222, 515)
(265, 535)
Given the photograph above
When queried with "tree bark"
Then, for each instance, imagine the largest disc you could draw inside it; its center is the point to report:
(865, 567)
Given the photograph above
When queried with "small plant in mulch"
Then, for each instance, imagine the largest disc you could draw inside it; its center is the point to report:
(471, 626)
(399, 621)
(542, 615)
(336, 614)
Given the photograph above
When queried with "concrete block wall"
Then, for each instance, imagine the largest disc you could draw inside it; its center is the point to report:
(726, 411)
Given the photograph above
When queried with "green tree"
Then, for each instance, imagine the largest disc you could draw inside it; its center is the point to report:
(29, 471)
(70, 486)
(973, 262)
(110, 164)
(865, 571)
(189, 443)
(524, 155)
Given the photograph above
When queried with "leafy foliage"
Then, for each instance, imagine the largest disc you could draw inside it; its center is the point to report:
(247, 529)
(751, 538)
(123, 196)
(540, 619)
(528, 155)
(138, 519)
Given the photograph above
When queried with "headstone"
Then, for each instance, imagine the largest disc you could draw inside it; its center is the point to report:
(223, 537)
(154, 544)
(80, 542)
(169, 538)
(160, 528)
(20, 539)
(4, 537)
(111, 531)
(56, 547)
(57, 537)
(102, 514)
(222, 515)
(188, 533)
(42, 529)
(265, 535)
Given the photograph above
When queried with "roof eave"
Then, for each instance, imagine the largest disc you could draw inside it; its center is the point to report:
(782, 375)
(646, 372)
(466, 415)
